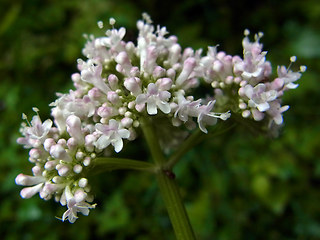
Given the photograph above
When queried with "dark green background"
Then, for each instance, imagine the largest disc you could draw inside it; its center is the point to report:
(235, 186)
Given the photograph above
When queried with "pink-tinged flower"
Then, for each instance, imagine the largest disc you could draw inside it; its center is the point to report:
(288, 76)
(92, 74)
(259, 96)
(74, 208)
(186, 108)
(112, 134)
(276, 111)
(188, 66)
(206, 117)
(59, 152)
(114, 37)
(133, 85)
(254, 66)
(71, 104)
(123, 60)
(74, 129)
(39, 130)
(95, 49)
(76, 203)
(155, 99)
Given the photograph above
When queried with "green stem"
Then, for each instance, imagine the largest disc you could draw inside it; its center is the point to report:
(194, 139)
(110, 164)
(175, 207)
(152, 141)
(168, 187)
(189, 143)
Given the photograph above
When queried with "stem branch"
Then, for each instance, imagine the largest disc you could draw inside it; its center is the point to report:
(168, 187)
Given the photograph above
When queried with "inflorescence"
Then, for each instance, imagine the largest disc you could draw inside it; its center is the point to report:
(121, 82)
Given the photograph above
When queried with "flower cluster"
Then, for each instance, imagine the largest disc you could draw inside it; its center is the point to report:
(121, 82)
(245, 85)
(60, 163)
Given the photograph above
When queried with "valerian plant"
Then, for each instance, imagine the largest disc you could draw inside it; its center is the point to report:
(126, 90)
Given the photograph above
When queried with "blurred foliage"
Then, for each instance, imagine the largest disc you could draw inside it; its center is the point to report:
(236, 186)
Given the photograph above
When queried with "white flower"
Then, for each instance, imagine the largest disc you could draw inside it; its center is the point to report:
(186, 108)
(75, 205)
(92, 74)
(74, 208)
(39, 130)
(155, 99)
(276, 111)
(206, 117)
(259, 97)
(71, 104)
(113, 134)
(288, 77)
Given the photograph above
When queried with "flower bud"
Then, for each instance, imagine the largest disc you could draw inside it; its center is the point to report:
(126, 122)
(133, 85)
(113, 97)
(83, 182)
(29, 192)
(62, 170)
(50, 165)
(58, 152)
(105, 112)
(151, 59)
(113, 81)
(123, 60)
(26, 180)
(174, 54)
(74, 128)
(62, 142)
(76, 77)
(134, 72)
(77, 168)
(35, 153)
(158, 72)
(171, 73)
(89, 142)
(80, 195)
(188, 66)
(36, 170)
(86, 161)
(164, 84)
(80, 155)
(72, 144)
(188, 52)
(94, 93)
(217, 66)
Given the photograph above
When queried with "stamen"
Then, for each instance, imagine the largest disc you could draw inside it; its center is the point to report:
(36, 110)
(258, 36)
(100, 24)
(24, 117)
(246, 32)
(112, 22)
(147, 18)
(292, 60)
(303, 68)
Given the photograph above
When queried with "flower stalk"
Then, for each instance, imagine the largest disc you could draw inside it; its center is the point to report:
(111, 164)
(168, 187)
